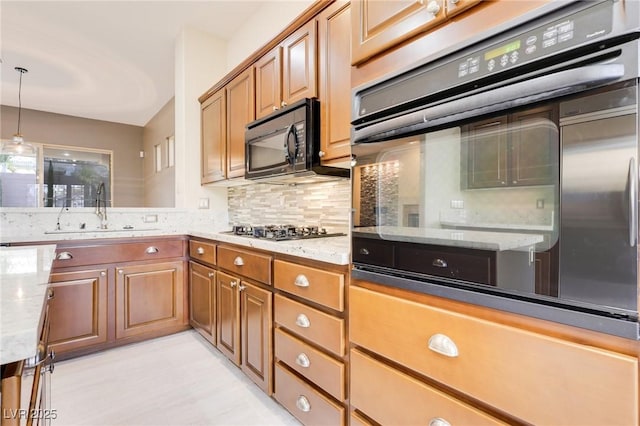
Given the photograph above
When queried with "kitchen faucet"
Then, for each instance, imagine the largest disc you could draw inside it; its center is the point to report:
(101, 205)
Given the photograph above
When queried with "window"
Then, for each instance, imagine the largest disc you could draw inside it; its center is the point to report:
(56, 176)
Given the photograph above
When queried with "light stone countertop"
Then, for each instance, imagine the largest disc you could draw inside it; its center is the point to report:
(24, 278)
(482, 240)
(510, 226)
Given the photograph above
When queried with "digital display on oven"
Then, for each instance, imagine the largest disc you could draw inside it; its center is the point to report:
(502, 50)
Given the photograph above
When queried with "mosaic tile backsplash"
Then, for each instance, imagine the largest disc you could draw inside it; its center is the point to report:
(326, 204)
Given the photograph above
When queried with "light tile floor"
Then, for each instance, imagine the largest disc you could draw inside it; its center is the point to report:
(174, 380)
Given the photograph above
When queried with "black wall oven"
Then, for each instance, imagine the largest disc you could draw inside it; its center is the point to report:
(505, 173)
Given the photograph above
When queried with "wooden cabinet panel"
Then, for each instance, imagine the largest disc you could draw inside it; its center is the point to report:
(311, 363)
(228, 316)
(256, 330)
(202, 300)
(78, 310)
(268, 70)
(334, 64)
(305, 403)
(213, 135)
(316, 285)
(149, 297)
(246, 263)
(203, 251)
(511, 369)
(240, 112)
(318, 327)
(299, 64)
(378, 25)
(406, 401)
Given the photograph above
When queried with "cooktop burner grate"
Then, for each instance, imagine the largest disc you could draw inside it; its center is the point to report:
(282, 232)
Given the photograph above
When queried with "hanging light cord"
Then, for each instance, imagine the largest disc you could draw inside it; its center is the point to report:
(21, 71)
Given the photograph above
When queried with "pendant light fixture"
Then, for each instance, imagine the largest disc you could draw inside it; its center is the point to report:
(17, 145)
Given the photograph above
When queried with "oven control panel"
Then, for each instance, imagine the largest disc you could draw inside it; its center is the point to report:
(576, 29)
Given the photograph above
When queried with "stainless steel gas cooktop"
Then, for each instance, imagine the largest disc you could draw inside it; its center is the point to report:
(282, 232)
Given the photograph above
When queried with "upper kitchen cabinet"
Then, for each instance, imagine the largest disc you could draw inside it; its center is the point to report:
(224, 116)
(288, 72)
(213, 133)
(380, 25)
(334, 27)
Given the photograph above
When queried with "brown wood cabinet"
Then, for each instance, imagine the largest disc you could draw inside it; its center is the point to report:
(380, 25)
(334, 64)
(149, 297)
(202, 300)
(228, 316)
(288, 72)
(78, 310)
(503, 368)
(213, 134)
(256, 328)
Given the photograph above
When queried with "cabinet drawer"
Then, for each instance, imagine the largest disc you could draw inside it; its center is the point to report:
(321, 369)
(405, 400)
(515, 370)
(245, 263)
(203, 252)
(304, 402)
(117, 253)
(318, 327)
(316, 285)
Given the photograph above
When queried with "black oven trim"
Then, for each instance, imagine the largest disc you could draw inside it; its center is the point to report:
(623, 327)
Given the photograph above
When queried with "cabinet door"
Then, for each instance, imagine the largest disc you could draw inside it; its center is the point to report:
(202, 292)
(534, 147)
(228, 316)
(379, 25)
(334, 27)
(240, 112)
(213, 133)
(78, 310)
(149, 298)
(299, 65)
(256, 328)
(268, 72)
(487, 143)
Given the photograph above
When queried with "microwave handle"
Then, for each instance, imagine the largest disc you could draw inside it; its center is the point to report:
(291, 152)
(513, 95)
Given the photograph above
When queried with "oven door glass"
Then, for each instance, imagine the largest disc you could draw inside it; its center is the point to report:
(473, 205)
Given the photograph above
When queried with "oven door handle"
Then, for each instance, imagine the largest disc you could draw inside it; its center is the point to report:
(505, 97)
(633, 203)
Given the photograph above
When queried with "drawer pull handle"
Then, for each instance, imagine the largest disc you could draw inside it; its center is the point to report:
(211, 274)
(238, 261)
(303, 321)
(303, 360)
(438, 421)
(200, 250)
(301, 281)
(443, 345)
(439, 263)
(303, 404)
(364, 251)
(151, 250)
(65, 255)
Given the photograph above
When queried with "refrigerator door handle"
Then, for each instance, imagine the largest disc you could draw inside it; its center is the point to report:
(633, 203)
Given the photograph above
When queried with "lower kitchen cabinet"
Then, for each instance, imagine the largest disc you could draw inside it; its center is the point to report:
(422, 344)
(228, 316)
(202, 300)
(149, 298)
(256, 329)
(78, 310)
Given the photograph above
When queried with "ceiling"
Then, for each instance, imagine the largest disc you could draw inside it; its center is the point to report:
(106, 60)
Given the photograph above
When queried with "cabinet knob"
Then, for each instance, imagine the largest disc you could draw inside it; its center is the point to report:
(200, 250)
(454, 1)
(303, 404)
(433, 7)
(301, 281)
(303, 360)
(151, 250)
(120, 271)
(51, 294)
(275, 108)
(438, 421)
(103, 274)
(303, 321)
(439, 263)
(211, 274)
(233, 284)
(65, 255)
(283, 104)
(242, 288)
(238, 261)
(444, 345)
(321, 154)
